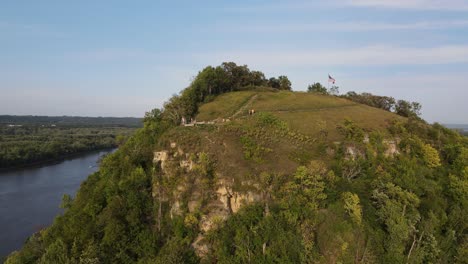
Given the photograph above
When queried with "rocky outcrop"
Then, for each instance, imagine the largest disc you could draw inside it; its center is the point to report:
(225, 200)
(160, 158)
(391, 148)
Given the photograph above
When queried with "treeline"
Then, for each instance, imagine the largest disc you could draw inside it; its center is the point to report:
(74, 121)
(30, 144)
(387, 103)
(212, 81)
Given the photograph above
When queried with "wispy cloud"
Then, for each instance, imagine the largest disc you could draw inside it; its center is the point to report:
(454, 5)
(366, 56)
(352, 26)
(298, 5)
(275, 6)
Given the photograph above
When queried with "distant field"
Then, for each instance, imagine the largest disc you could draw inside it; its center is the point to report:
(305, 112)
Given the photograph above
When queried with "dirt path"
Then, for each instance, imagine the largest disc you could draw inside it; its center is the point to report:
(244, 107)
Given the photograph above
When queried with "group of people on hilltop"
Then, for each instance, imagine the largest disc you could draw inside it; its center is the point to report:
(185, 122)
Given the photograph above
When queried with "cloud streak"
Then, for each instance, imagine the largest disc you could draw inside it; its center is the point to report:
(281, 6)
(452, 5)
(366, 56)
(352, 26)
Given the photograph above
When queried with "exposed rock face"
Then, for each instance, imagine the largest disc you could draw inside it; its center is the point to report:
(366, 139)
(223, 202)
(160, 157)
(186, 164)
(392, 148)
(351, 151)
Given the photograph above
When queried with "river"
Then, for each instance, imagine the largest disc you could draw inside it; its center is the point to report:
(30, 197)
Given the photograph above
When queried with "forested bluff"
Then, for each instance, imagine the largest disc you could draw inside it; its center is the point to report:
(311, 177)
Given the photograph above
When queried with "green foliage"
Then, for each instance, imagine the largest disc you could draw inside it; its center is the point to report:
(253, 150)
(407, 109)
(317, 88)
(175, 251)
(383, 102)
(55, 253)
(305, 193)
(284, 83)
(430, 156)
(400, 107)
(213, 81)
(249, 237)
(341, 207)
(397, 210)
(351, 131)
(352, 207)
(36, 143)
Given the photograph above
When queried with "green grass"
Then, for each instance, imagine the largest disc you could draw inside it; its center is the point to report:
(306, 113)
(224, 106)
(297, 139)
(297, 101)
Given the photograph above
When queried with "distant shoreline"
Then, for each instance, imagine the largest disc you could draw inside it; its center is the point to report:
(55, 160)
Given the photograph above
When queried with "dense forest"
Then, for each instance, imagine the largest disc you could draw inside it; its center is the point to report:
(258, 189)
(26, 140)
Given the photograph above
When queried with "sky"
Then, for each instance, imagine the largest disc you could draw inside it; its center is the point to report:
(123, 58)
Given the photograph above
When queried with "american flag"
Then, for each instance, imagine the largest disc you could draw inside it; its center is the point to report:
(331, 79)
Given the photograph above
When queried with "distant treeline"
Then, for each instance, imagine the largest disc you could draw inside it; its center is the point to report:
(462, 128)
(30, 144)
(71, 120)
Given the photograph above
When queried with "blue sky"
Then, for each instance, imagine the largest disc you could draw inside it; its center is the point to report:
(122, 58)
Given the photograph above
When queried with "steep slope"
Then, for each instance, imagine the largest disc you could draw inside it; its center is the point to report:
(308, 178)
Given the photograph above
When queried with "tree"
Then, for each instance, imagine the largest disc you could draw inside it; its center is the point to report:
(430, 156)
(408, 109)
(352, 206)
(57, 252)
(274, 83)
(284, 83)
(383, 102)
(257, 78)
(397, 210)
(305, 193)
(351, 131)
(334, 90)
(317, 88)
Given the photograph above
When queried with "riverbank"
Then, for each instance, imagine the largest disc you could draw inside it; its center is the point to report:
(30, 197)
(57, 160)
(25, 145)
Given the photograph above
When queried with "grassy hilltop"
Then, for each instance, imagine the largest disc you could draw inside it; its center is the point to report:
(309, 178)
(308, 113)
